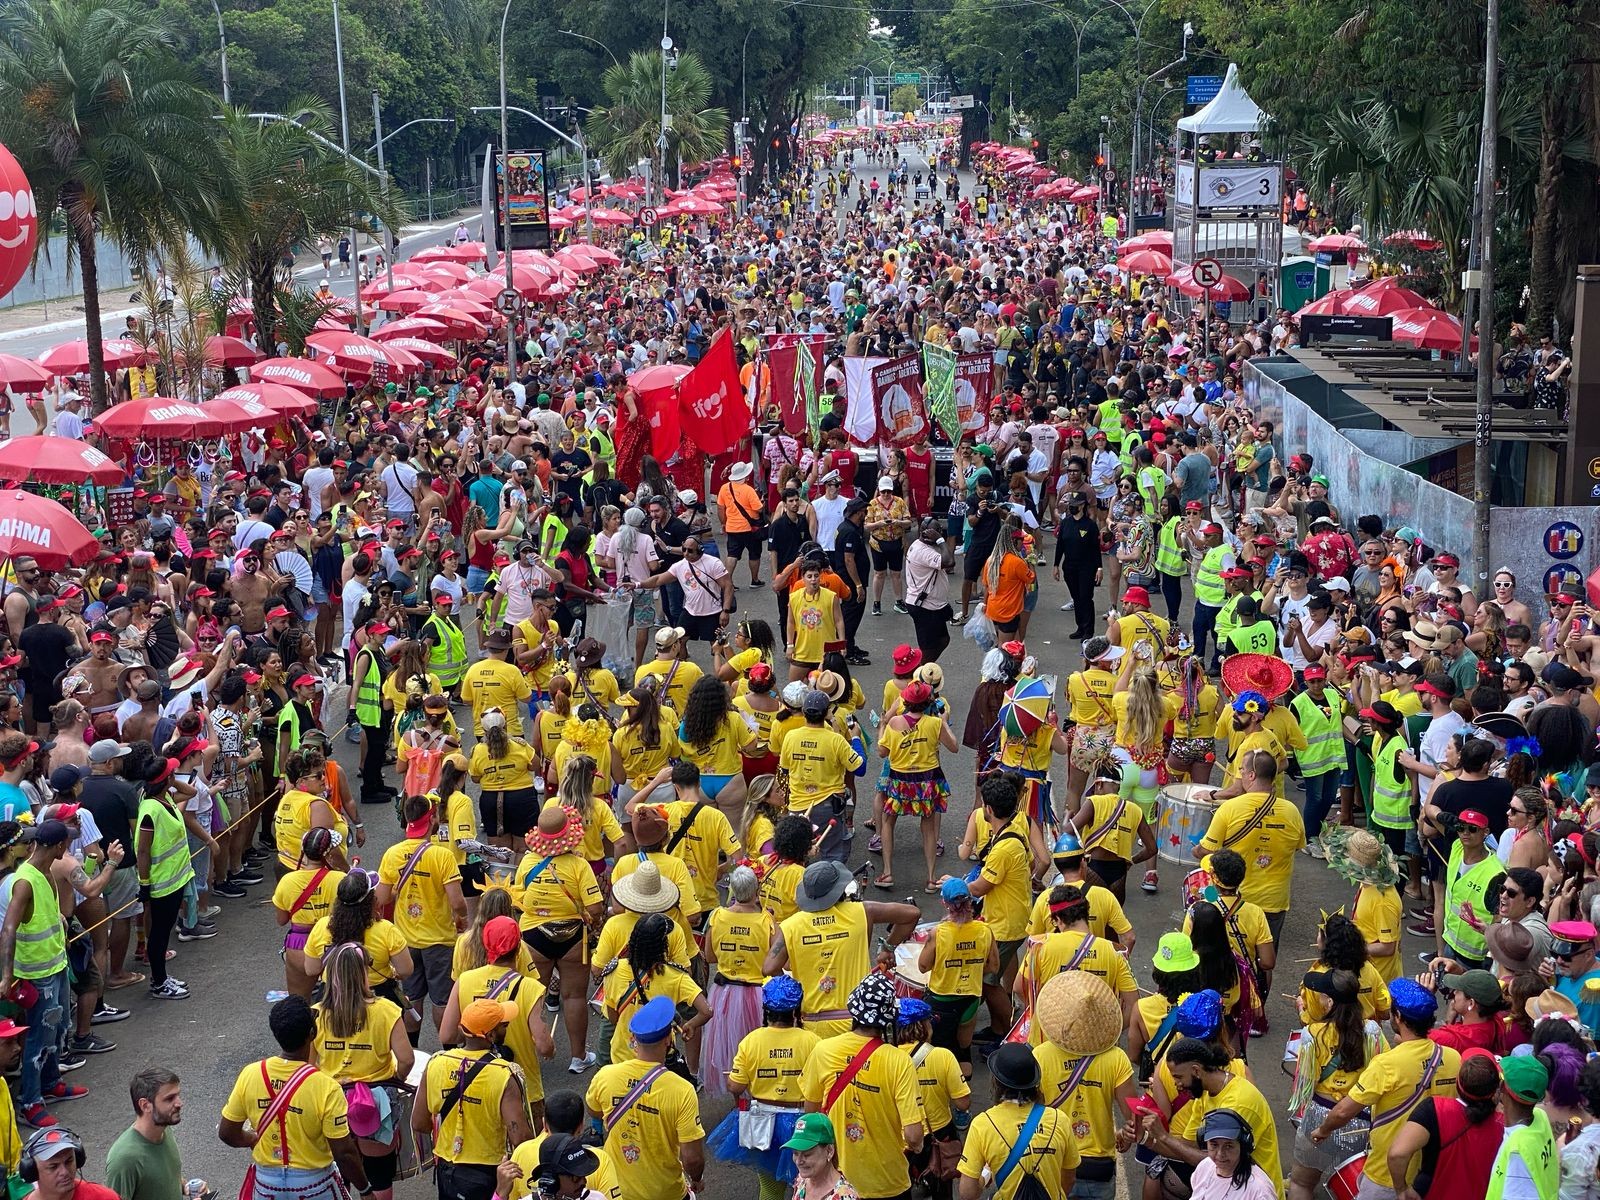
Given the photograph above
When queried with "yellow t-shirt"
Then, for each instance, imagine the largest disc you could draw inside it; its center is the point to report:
(491, 683)
(1201, 722)
(892, 688)
(512, 773)
(741, 941)
(621, 998)
(1268, 845)
(1092, 1105)
(1253, 930)
(1114, 826)
(600, 824)
(817, 759)
(939, 1082)
(1389, 1081)
(640, 762)
(460, 963)
(317, 902)
(10, 1137)
(604, 1180)
(647, 1137)
(394, 688)
(1106, 918)
(994, 1132)
(1031, 753)
(778, 889)
(1076, 951)
(829, 953)
(614, 935)
(547, 731)
(316, 1115)
(1125, 736)
(1145, 628)
(1008, 868)
(813, 624)
(602, 687)
(914, 749)
(527, 993)
(421, 908)
(871, 1114)
(1244, 1098)
(565, 888)
(1089, 694)
(532, 637)
(770, 1061)
(473, 1132)
(1408, 704)
(460, 823)
(382, 939)
(683, 676)
(365, 1055)
(1377, 915)
(709, 840)
(722, 753)
(959, 954)
(291, 822)
(759, 720)
(673, 868)
(563, 753)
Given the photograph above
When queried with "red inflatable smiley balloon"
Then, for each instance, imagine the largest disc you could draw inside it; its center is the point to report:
(19, 222)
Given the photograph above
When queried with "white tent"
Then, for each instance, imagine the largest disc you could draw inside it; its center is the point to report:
(1230, 111)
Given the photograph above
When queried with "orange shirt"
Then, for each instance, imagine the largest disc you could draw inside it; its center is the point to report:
(730, 500)
(1006, 595)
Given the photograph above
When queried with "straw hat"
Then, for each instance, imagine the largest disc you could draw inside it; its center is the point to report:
(1550, 1003)
(1359, 856)
(1078, 1013)
(645, 891)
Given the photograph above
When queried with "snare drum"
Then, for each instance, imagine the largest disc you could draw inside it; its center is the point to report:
(1195, 884)
(1183, 822)
(910, 980)
(1345, 1181)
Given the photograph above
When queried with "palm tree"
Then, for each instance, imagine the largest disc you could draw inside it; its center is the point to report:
(110, 128)
(290, 191)
(625, 130)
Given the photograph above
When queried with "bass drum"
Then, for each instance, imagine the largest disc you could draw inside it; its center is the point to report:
(1183, 822)
(1345, 1181)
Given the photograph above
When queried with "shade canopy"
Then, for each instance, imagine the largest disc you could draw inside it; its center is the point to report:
(1230, 111)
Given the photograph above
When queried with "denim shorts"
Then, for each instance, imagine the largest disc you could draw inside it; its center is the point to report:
(319, 594)
(476, 578)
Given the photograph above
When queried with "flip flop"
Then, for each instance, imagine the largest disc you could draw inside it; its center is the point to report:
(132, 981)
(931, 887)
(884, 883)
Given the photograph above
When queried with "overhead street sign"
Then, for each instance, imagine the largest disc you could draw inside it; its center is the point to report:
(1202, 88)
(907, 77)
(960, 102)
(1207, 272)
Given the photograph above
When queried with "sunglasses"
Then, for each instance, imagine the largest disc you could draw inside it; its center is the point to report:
(1503, 583)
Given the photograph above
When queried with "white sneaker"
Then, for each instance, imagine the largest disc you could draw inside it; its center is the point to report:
(170, 990)
(1067, 607)
(579, 1065)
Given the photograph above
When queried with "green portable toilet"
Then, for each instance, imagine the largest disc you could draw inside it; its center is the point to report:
(1297, 282)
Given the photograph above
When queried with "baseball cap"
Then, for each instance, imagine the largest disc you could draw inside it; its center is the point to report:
(813, 1129)
(105, 751)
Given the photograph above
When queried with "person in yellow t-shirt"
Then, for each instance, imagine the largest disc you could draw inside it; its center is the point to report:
(1196, 1063)
(1252, 722)
(942, 1089)
(527, 1038)
(582, 789)
(388, 959)
(302, 898)
(360, 1036)
(876, 1111)
(1051, 1156)
(489, 1112)
(1109, 820)
(713, 737)
(1106, 918)
(628, 983)
(503, 766)
(816, 758)
(650, 835)
(299, 1151)
(1362, 858)
(1071, 947)
(674, 674)
(1262, 828)
(495, 682)
(767, 1067)
(1090, 1080)
(960, 953)
(645, 741)
(737, 939)
(563, 1119)
(910, 743)
(699, 833)
(419, 879)
(657, 1135)
(1005, 883)
(816, 622)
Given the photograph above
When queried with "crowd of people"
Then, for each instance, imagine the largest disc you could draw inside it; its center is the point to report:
(615, 793)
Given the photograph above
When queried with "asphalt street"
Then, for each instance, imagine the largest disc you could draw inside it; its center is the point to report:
(209, 1037)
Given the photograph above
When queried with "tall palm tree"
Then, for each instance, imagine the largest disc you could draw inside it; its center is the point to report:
(291, 190)
(625, 130)
(110, 128)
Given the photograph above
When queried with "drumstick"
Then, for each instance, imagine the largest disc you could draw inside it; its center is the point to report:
(817, 841)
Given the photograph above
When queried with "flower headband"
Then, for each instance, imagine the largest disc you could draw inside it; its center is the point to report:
(1524, 745)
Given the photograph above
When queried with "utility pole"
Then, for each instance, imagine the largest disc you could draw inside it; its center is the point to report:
(377, 132)
(1483, 422)
(222, 39)
(344, 137)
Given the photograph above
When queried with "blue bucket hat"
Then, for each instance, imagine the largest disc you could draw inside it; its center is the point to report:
(781, 994)
(1199, 1014)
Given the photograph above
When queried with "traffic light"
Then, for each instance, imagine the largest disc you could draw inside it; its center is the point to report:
(1099, 160)
(738, 163)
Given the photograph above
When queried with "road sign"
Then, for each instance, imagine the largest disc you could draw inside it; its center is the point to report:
(1111, 174)
(1202, 88)
(509, 302)
(1207, 272)
(648, 216)
(907, 77)
(959, 102)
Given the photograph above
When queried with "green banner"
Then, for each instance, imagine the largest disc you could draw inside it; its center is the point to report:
(805, 380)
(939, 386)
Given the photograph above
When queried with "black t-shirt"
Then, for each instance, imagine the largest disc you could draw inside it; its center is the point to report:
(577, 461)
(115, 805)
(671, 534)
(47, 646)
(1491, 797)
(851, 543)
(785, 536)
(984, 532)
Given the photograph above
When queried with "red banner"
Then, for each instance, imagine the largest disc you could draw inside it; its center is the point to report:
(711, 403)
(786, 388)
(660, 407)
(897, 393)
(974, 390)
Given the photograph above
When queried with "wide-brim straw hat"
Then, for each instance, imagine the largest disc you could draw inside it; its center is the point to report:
(1078, 1013)
(1359, 855)
(567, 838)
(645, 890)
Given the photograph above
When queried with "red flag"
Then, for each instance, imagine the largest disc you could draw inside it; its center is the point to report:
(897, 390)
(783, 360)
(711, 402)
(660, 408)
(974, 390)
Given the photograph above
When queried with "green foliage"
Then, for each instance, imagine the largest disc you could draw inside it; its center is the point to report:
(626, 128)
(905, 99)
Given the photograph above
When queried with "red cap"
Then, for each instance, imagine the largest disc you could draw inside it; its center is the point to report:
(213, 534)
(1311, 673)
(1236, 573)
(140, 494)
(281, 533)
(158, 497)
(1210, 527)
(233, 477)
(1428, 688)
(378, 629)
(1194, 506)
(276, 612)
(1263, 540)
(409, 552)
(201, 593)
(397, 523)
(71, 592)
(10, 1029)
(306, 680)
(443, 599)
(202, 554)
(502, 560)
(102, 635)
(1472, 816)
(252, 677)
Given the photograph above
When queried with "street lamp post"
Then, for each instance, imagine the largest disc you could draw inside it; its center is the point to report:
(661, 139)
(577, 143)
(505, 202)
(1138, 109)
(222, 39)
(377, 131)
(596, 41)
(344, 138)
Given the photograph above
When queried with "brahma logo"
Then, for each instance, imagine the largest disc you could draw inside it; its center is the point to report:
(709, 406)
(92, 457)
(289, 372)
(176, 412)
(26, 531)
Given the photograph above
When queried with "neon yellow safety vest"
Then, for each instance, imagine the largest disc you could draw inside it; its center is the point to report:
(1208, 588)
(1169, 555)
(1258, 637)
(1468, 887)
(41, 949)
(447, 655)
(169, 848)
(369, 693)
(1227, 622)
(1324, 735)
(1152, 484)
(1535, 1144)
(1391, 801)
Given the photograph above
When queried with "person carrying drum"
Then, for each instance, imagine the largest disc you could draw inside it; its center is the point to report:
(1106, 918)
(1089, 708)
(1109, 819)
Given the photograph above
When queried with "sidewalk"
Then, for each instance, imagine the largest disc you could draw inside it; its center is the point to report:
(64, 315)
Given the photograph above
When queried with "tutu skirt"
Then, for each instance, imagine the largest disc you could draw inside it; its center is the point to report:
(916, 793)
(735, 1011)
(775, 1160)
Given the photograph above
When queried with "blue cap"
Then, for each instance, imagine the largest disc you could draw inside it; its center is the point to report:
(1199, 1014)
(1410, 999)
(954, 889)
(653, 1022)
(1067, 845)
(910, 1010)
(782, 994)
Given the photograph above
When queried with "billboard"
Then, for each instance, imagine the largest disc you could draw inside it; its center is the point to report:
(520, 184)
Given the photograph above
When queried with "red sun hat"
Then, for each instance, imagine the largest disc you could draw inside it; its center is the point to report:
(1263, 673)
